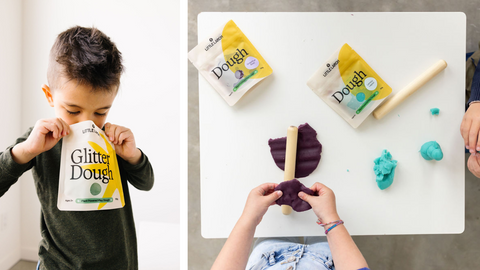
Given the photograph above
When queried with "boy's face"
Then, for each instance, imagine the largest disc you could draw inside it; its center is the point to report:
(77, 103)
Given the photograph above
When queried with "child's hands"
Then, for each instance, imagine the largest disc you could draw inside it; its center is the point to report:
(324, 204)
(124, 142)
(470, 128)
(258, 201)
(473, 164)
(45, 135)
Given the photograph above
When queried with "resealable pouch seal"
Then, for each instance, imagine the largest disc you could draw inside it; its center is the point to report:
(349, 86)
(229, 62)
(89, 174)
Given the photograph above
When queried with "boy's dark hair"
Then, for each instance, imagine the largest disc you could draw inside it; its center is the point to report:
(86, 55)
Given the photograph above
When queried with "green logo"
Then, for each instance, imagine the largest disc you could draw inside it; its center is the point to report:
(95, 189)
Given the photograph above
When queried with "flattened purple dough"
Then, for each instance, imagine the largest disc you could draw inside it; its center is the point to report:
(290, 197)
(308, 151)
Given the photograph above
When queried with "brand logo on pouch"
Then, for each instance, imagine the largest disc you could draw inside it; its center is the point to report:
(330, 67)
(90, 130)
(213, 42)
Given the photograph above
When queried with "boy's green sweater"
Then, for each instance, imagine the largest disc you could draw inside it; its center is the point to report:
(102, 239)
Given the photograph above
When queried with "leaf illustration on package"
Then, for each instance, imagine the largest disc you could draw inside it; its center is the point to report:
(108, 168)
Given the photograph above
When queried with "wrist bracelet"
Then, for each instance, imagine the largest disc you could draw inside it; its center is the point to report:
(323, 225)
(336, 223)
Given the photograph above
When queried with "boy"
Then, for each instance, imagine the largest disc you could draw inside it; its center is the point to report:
(84, 76)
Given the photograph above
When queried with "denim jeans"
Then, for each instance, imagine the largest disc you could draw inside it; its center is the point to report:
(289, 253)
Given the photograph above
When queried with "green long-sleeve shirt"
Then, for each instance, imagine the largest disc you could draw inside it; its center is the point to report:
(102, 239)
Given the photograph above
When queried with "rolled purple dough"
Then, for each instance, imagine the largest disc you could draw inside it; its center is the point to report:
(290, 197)
(308, 151)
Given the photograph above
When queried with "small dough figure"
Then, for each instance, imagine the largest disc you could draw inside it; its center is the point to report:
(435, 111)
(384, 169)
(431, 150)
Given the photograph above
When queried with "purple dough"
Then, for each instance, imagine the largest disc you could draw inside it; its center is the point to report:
(290, 197)
(308, 151)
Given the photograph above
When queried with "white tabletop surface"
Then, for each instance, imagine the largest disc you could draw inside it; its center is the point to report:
(426, 197)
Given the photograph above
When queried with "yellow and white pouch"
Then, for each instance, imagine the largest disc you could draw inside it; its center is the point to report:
(349, 86)
(89, 174)
(229, 62)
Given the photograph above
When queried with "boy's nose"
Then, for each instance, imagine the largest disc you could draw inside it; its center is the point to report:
(84, 118)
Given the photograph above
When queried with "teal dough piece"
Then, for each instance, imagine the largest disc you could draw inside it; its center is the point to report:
(435, 111)
(431, 150)
(384, 169)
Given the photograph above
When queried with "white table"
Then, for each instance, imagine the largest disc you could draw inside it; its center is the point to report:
(426, 197)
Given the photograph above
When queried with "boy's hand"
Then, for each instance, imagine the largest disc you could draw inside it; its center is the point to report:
(324, 204)
(258, 201)
(473, 164)
(45, 135)
(470, 128)
(124, 142)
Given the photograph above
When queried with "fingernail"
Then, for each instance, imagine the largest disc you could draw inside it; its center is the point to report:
(466, 146)
(478, 148)
(279, 193)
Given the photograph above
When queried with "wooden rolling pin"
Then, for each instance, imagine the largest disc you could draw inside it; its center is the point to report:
(398, 98)
(290, 158)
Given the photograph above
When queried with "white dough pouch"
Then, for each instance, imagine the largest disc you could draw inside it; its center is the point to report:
(229, 62)
(89, 174)
(349, 86)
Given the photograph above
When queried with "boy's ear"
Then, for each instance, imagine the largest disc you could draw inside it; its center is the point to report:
(48, 94)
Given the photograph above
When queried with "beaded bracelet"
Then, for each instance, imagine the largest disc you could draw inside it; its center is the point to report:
(336, 223)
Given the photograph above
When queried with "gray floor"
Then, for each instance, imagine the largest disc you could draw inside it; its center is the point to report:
(24, 265)
(382, 252)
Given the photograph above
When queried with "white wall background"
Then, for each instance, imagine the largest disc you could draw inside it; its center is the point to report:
(147, 34)
(10, 99)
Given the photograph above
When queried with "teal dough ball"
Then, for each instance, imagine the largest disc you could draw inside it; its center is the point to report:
(431, 150)
(384, 169)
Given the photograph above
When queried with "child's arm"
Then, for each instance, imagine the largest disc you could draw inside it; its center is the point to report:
(45, 134)
(136, 165)
(471, 120)
(17, 158)
(473, 164)
(11, 170)
(234, 254)
(470, 128)
(345, 253)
